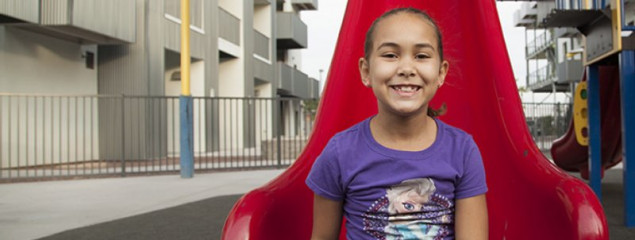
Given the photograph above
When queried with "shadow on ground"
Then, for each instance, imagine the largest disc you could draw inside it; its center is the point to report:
(198, 220)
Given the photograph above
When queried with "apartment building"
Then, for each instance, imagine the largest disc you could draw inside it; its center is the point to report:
(553, 55)
(239, 49)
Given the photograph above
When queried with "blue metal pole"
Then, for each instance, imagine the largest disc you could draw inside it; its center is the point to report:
(187, 137)
(595, 133)
(627, 87)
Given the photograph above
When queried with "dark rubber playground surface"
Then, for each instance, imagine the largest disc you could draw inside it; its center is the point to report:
(198, 220)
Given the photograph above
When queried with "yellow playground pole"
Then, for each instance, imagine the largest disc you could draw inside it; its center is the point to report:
(185, 48)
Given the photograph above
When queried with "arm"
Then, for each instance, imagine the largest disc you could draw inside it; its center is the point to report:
(471, 218)
(327, 218)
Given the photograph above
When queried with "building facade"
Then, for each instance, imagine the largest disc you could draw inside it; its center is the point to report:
(553, 55)
(239, 49)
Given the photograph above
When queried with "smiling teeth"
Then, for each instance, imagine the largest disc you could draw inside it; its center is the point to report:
(406, 88)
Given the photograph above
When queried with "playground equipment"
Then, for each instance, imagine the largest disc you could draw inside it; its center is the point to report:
(608, 27)
(570, 152)
(528, 198)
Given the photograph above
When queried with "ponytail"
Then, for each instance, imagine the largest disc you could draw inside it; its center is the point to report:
(437, 112)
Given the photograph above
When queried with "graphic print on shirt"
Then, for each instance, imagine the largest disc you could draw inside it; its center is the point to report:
(410, 210)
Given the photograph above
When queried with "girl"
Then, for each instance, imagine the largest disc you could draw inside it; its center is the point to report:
(362, 168)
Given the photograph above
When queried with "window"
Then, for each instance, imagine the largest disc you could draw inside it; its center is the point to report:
(90, 60)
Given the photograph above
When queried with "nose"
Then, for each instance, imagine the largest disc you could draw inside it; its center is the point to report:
(406, 73)
(406, 69)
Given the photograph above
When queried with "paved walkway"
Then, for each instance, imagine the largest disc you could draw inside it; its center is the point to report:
(38, 209)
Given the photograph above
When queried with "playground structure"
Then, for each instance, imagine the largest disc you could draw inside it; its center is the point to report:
(570, 152)
(529, 198)
(609, 58)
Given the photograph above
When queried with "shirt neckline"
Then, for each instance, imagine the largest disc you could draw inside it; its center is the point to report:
(381, 149)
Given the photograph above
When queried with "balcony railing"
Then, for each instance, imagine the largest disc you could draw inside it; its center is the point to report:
(261, 45)
(291, 31)
(526, 15)
(569, 71)
(229, 26)
(305, 4)
(542, 75)
(86, 21)
(20, 11)
(294, 82)
(580, 5)
(539, 44)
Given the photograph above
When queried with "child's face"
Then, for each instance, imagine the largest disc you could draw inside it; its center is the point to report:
(404, 68)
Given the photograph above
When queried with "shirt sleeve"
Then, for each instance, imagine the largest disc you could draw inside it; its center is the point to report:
(472, 180)
(325, 178)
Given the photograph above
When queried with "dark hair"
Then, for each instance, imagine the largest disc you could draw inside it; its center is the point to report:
(368, 43)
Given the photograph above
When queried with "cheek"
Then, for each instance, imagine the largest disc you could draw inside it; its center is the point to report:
(429, 74)
(381, 70)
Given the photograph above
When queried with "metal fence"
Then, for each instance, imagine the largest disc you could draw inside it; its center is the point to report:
(49, 136)
(547, 122)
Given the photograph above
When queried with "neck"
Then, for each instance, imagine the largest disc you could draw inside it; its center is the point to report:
(412, 133)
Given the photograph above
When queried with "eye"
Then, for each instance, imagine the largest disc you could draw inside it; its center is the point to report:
(389, 55)
(421, 56)
(408, 206)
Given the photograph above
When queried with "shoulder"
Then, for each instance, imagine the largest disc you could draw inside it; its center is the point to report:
(456, 136)
(349, 135)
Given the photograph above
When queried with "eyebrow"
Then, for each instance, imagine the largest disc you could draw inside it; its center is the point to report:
(395, 45)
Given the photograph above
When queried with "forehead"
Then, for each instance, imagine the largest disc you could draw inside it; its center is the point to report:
(405, 27)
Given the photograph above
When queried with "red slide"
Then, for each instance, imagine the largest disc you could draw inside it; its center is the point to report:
(528, 198)
(569, 155)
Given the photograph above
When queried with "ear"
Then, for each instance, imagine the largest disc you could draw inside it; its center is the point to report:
(364, 71)
(443, 72)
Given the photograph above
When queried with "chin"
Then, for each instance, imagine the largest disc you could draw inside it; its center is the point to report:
(407, 112)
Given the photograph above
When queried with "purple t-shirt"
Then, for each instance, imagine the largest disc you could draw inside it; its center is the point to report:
(392, 194)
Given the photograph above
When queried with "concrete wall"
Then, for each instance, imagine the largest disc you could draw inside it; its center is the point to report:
(35, 63)
(235, 7)
(262, 19)
(32, 63)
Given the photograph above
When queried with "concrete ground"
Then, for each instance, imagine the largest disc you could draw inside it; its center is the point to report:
(613, 203)
(167, 207)
(38, 209)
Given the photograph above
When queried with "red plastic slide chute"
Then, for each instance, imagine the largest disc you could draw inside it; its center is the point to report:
(569, 155)
(529, 198)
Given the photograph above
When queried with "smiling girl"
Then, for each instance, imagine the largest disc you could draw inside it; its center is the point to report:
(361, 168)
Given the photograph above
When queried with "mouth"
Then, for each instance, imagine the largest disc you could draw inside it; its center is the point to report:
(405, 88)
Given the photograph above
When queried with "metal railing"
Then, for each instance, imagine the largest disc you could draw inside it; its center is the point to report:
(261, 44)
(542, 75)
(229, 26)
(52, 136)
(547, 122)
(539, 43)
